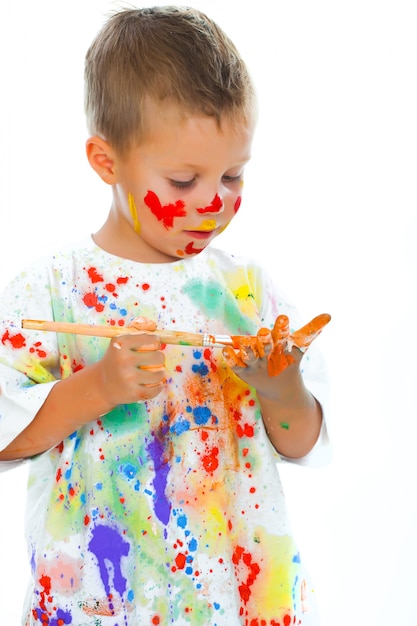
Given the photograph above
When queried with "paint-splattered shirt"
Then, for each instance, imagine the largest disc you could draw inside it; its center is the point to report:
(168, 511)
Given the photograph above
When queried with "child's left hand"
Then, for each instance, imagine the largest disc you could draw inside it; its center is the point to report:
(269, 353)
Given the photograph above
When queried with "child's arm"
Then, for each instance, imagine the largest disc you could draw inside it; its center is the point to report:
(291, 414)
(131, 370)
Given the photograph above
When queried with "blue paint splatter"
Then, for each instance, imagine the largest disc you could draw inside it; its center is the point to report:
(201, 414)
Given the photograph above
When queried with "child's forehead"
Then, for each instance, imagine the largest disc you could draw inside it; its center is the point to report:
(164, 121)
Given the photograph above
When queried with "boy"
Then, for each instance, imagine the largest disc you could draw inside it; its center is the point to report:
(154, 496)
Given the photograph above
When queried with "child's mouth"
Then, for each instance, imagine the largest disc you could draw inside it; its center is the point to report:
(199, 234)
(203, 231)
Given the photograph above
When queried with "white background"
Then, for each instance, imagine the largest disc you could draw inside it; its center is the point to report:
(329, 206)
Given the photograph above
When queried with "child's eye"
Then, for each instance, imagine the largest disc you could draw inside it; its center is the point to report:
(182, 184)
(232, 179)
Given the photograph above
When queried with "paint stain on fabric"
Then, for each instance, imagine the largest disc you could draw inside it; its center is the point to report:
(94, 276)
(17, 341)
(164, 213)
(91, 301)
(218, 303)
(162, 505)
(109, 547)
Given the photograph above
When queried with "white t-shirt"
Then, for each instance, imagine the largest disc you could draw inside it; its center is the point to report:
(168, 511)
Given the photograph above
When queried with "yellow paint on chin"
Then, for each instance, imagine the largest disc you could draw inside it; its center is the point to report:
(134, 213)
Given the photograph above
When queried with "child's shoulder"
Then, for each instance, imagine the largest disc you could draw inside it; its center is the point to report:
(228, 260)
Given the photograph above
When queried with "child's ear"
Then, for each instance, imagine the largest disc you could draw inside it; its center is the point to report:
(101, 157)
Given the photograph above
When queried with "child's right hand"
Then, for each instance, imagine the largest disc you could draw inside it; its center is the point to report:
(132, 369)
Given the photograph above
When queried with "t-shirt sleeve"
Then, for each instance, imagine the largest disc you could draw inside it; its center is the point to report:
(273, 302)
(29, 364)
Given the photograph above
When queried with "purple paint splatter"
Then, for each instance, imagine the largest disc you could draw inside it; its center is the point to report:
(162, 505)
(109, 547)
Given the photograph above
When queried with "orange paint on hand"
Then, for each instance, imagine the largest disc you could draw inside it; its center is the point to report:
(303, 337)
(280, 340)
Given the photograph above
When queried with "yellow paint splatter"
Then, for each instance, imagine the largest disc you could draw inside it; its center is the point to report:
(274, 586)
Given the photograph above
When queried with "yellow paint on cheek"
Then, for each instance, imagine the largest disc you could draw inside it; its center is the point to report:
(224, 228)
(134, 213)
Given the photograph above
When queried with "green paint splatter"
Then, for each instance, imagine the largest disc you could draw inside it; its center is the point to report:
(217, 301)
(285, 425)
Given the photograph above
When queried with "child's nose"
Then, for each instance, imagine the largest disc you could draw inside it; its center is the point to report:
(215, 206)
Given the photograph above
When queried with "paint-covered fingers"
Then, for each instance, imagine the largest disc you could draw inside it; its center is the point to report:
(248, 349)
(303, 337)
(142, 323)
(133, 369)
(233, 358)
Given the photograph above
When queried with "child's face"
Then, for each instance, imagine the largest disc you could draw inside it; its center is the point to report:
(180, 187)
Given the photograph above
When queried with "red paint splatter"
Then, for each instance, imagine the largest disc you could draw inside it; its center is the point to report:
(91, 301)
(237, 204)
(253, 568)
(208, 355)
(145, 286)
(214, 207)
(76, 367)
(246, 431)
(156, 620)
(95, 277)
(35, 348)
(110, 287)
(17, 341)
(210, 461)
(180, 560)
(45, 582)
(164, 213)
(122, 280)
(189, 248)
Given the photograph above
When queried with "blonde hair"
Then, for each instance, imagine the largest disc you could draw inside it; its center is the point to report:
(174, 54)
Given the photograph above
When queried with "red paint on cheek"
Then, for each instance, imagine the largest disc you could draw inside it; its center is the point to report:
(237, 204)
(214, 207)
(164, 213)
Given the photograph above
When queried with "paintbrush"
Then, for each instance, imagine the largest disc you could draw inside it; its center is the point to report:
(301, 338)
(166, 336)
